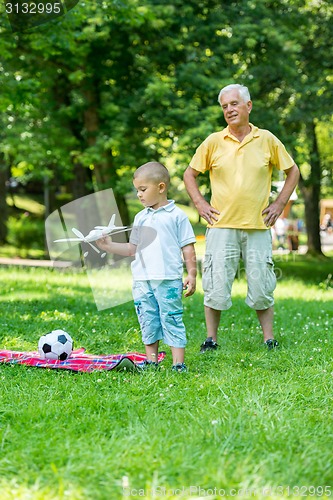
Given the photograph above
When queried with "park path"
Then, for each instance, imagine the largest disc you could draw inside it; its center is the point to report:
(16, 261)
(326, 240)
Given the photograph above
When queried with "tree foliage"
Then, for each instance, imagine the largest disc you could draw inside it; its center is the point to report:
(111, 85)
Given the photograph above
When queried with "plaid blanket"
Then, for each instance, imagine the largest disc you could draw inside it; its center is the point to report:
(79, 361)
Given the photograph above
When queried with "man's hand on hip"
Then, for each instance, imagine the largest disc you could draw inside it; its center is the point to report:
(272, 213)
(207, 212)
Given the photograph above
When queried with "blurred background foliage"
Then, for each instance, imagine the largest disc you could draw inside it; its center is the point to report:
(88, 97)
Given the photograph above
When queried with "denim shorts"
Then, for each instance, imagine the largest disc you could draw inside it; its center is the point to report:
(159, 309)
(224, 249)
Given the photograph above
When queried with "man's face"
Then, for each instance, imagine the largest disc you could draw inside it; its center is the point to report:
(236, 111)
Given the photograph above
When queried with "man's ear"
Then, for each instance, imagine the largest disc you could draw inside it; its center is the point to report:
(249, 106)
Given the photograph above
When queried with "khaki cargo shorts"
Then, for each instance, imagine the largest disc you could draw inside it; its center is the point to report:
(224, 249)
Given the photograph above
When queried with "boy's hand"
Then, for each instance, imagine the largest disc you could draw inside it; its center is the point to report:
(104, 243)
(189, 285)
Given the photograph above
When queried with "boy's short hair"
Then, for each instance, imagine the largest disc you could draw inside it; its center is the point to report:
(153, 171)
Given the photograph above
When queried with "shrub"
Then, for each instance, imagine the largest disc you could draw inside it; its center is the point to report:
(26, 231)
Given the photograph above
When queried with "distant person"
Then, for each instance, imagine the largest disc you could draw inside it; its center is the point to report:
(299, 225)
(240, 159)
(280, 231)
(158, 267)
(327, 224)
(292, 236)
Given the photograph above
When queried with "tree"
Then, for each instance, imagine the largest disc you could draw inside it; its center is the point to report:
(9, 87)
(314, 101)
(113, 85)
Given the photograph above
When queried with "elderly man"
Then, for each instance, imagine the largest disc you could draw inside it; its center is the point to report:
(240, 159)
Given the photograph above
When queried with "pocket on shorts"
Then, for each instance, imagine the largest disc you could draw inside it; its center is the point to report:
(207, 273)
(270, 276)
(176, 317)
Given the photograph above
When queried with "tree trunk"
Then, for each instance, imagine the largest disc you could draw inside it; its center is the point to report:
(80, 182)
(310, 189)
(311, 203)
(3, 202)
(79, 185)
(105, 172)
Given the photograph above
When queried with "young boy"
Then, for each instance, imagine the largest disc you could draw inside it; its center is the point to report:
(161, 234)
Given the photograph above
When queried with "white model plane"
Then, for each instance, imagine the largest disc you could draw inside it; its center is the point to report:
(95, 234)
(110, 228)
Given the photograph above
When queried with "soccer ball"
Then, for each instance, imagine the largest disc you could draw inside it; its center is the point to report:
(57, 344)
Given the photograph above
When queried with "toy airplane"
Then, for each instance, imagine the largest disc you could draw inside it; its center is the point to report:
(110, 228)
(95, 234)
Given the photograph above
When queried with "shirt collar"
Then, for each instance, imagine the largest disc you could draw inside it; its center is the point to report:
(254, 132)
(168, 208)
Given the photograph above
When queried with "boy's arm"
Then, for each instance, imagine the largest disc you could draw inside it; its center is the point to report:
(109, 246)
(191, 267)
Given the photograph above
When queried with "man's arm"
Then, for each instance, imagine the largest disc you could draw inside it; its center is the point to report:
(274, 210)
(205, 210)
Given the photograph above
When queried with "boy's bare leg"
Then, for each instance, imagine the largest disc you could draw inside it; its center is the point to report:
(178, 355)
(152, 351)
(213, 317)
(265, 317)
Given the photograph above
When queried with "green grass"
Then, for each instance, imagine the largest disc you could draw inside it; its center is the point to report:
(9, 251)
(241, 418)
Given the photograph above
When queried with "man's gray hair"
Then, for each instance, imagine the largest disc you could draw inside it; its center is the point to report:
(243, 92)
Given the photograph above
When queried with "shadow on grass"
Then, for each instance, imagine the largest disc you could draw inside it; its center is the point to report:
(308, 269)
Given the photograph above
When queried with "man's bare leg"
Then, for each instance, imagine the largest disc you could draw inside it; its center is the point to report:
(265, 317)
(213, 317)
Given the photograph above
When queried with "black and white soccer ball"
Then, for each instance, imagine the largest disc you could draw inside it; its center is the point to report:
(57, 344)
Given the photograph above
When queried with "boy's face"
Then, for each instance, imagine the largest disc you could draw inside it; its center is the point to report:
(150, 193)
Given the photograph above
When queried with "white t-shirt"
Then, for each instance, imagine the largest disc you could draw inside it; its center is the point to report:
(159, 236)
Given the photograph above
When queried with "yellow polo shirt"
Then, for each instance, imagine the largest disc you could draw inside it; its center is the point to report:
(240, 174)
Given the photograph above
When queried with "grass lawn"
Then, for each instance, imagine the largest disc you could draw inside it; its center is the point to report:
(242, 422)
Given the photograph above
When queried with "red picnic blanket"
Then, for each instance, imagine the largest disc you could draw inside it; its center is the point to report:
(79, 361)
